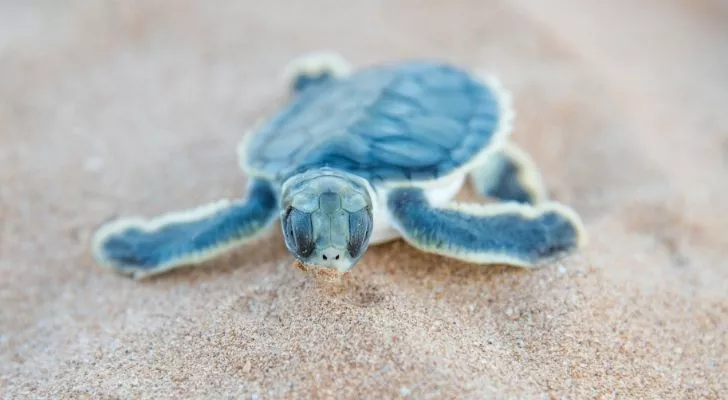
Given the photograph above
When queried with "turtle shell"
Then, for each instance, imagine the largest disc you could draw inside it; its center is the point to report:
(405, 123)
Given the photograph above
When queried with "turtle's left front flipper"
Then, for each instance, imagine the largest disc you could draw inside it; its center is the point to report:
(144, 247)
(504, 233)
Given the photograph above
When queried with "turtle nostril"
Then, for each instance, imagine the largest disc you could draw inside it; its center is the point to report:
(331, 254)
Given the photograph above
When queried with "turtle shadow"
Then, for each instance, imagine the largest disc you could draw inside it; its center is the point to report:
(459, 291)
(360, 293)
(403, 264)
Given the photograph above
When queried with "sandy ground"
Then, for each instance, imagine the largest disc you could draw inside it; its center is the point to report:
(119, 108)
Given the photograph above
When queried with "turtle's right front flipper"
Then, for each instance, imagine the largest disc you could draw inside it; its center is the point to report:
(504, 233)
(144, 247)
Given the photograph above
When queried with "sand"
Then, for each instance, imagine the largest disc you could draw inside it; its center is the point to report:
(135, 107)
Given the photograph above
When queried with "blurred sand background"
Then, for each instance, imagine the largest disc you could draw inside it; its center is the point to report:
(115, 108)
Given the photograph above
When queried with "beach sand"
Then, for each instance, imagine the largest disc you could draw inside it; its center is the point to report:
(114, 109)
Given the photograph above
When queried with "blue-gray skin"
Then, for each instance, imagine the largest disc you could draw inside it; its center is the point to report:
(315, 163)
(307, 81)
(508, 236)
(141, 247)
(507, 185)
(509, 175)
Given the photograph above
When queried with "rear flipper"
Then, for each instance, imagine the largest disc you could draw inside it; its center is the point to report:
(505, 233)
(314, 69)
(144, 247)
(509, 175)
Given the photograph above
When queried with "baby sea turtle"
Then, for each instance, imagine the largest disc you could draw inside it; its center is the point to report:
(361, 157)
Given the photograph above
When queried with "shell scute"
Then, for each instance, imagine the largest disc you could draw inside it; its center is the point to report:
(402, 123)
(435, 130)
(407, 153)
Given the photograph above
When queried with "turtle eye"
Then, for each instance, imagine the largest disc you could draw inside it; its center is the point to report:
(298, 232)
(360, 229)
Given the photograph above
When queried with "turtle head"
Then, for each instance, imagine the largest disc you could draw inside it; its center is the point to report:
(327, 218)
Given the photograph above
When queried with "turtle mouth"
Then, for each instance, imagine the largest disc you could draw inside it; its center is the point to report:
(324, 274)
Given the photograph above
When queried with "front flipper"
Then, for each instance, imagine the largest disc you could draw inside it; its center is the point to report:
(505, 233)
(314, 69)
(144, 247)
(509, 175)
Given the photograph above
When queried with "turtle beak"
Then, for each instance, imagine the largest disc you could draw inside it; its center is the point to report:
(332, 257)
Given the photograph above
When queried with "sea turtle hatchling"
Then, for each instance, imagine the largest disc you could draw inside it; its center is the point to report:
(361, 157)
